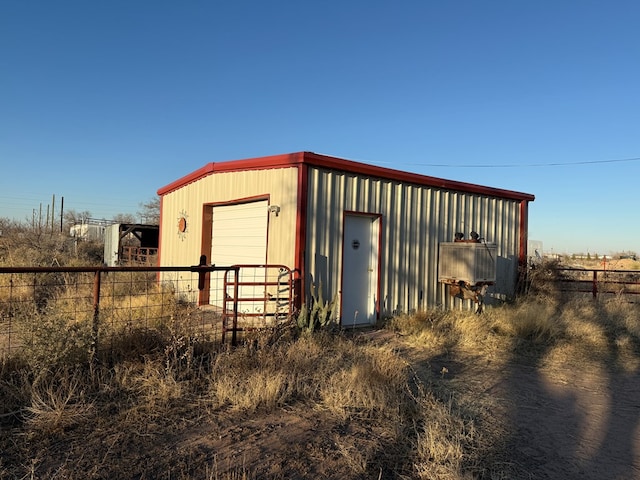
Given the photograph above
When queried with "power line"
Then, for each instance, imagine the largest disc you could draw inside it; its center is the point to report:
(521, 165)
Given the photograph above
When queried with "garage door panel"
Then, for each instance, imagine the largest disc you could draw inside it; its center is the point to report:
(239, 236)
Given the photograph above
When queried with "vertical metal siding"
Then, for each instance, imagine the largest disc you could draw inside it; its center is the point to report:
(415, 219)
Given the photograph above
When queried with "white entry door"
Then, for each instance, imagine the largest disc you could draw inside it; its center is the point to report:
(239, 236)
(360, 269)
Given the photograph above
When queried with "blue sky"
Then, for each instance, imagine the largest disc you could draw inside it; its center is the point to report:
(102, 103)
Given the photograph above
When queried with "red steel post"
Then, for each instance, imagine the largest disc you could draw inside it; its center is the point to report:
(96, 312)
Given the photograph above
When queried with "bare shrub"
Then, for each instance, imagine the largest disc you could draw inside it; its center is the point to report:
(89, 252)
(54, 338)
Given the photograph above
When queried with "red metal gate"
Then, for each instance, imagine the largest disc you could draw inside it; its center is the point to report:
(256, 296)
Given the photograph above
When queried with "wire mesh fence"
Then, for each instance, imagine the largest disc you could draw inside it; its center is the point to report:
(47, 310)
(599, 284)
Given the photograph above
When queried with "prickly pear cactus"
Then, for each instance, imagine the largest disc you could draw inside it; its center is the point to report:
(320, 314)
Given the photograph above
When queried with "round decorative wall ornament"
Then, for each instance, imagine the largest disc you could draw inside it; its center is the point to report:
(182, 225)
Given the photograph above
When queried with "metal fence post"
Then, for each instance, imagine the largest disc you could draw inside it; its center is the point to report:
(202, 274)
(234, 338)
(595, 284)
(96, 313)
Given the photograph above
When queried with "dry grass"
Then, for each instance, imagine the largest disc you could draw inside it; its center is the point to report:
(558, 335)
(569, 331)
(332, 375)
(397, 409)
(57, 402)
(447, 441)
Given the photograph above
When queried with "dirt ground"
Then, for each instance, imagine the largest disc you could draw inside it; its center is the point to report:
(578, 425)
(547, 423)
(561, 424)
(602, 263)
(558, 425)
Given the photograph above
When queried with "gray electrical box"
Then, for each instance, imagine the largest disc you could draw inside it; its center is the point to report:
(469, 262)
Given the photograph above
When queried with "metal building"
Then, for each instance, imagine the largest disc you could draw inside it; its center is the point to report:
(368, 234)
(130, 244)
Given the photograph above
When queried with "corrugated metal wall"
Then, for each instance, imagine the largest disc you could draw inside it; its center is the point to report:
(280, 185)
(415, 219)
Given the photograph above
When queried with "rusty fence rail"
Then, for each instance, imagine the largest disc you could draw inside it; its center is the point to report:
(597, 282)
(46, 306)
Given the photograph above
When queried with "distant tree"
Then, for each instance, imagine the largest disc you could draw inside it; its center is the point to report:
(72, 217)
(10, 226)
(124, 218)
(150, 211)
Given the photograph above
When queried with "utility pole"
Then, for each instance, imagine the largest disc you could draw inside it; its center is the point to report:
(61, 212)
(53, 210)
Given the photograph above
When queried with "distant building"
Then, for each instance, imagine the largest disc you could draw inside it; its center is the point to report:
(89, 230)
(130, 244)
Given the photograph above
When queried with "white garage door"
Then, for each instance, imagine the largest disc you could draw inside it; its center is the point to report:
(239, 236)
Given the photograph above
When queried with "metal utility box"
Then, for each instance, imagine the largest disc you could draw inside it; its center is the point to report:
(469, 262)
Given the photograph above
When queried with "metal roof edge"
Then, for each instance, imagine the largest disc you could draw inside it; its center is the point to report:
(259, 163)
(191, 177)
(350, 166)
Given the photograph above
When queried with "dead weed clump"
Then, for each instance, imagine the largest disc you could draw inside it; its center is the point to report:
(535, 321)
(367, 385)
(333, 373)
(57, 402)
(447, 444)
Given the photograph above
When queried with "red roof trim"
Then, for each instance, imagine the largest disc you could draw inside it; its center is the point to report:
(408, 177)
(324, 161)
(261, 163)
